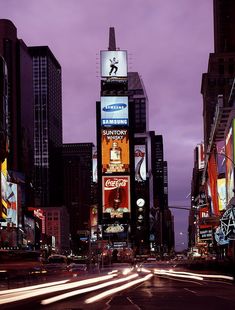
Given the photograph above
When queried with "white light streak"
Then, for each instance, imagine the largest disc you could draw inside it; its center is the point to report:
(216, 276)
(86, 290)
(113, 271)
(32, 287)
(118, 289)
(57, 288)
(172, 274)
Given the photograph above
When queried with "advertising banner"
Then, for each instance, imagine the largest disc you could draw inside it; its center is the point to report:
(93, 216)
(94, 165)
(113, 63)
(201, 156)
(220, 146)
(116, 195)
(140, 163)
(10, 200)
(229, 165)
(114, 111)
(115, 150)
(212, 174)
(221, 188)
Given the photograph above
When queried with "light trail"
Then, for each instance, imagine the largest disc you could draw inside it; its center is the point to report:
(37, 292)
(216, 276)
(168, 273)
(113, 271)
(32, 287)
(118, 289)
(86, 290)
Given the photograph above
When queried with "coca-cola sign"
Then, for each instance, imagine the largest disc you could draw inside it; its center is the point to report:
(116, 195)
(114, 183)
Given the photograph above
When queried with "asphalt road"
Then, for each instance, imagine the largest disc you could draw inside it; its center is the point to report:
(161, 291)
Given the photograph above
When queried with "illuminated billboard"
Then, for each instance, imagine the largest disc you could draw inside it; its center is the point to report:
(212, 174)
(220, 146)
(114, 111)
(93, 216)
(113, 63)
(221, 188)
(140, 163)
(94, 165)
(229, 165)
(115, 150)
(4, 202)
(116, 195)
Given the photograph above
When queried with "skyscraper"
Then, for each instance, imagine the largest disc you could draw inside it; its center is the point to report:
(20, 99)
(221, 66)
(47, 126)
(77, 189)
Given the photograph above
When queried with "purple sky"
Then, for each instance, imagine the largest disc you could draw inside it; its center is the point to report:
(168, 43)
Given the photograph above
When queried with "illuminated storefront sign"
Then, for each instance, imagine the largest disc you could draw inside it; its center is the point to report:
(113, 63)
(205, 232)
(114, 111)
(116, 195)
(115, 151)
(140, 163)
(228, 223)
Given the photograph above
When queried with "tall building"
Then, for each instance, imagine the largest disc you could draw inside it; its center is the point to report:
(139, 101)
(129, 179)
(20, 100)
(47, 126)
(221, 66)
(77, 190)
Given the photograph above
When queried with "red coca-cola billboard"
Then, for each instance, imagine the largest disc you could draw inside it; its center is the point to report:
(116, 195)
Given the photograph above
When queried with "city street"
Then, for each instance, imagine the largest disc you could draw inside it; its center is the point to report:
(157, 289)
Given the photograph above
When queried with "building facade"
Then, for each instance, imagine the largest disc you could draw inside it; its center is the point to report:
(47, 126)
(78, 191)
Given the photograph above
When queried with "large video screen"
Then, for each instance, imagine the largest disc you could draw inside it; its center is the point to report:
(116, 195)
(113, 63)
(114, 111)
(115, 150)
(140, 163)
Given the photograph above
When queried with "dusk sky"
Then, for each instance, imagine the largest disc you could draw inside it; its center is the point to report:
(168, 43)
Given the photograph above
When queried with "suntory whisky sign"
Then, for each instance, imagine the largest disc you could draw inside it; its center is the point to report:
(116, 195)
(114, 111)
(115, 150)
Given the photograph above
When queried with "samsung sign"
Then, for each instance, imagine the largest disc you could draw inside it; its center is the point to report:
(114, 111)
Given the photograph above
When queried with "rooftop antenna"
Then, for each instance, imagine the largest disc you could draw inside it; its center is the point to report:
(112, 40)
